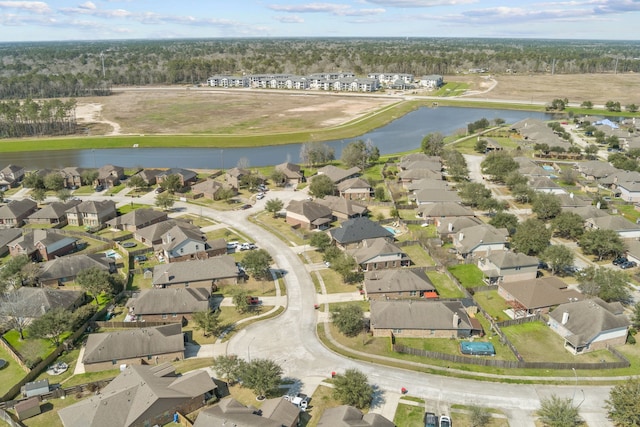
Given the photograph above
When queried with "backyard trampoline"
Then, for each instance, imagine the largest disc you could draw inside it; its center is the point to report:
(477, 348)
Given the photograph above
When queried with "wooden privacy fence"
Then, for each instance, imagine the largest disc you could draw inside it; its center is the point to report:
(509, 364)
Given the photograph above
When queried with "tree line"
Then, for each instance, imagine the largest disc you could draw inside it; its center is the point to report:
(74, 69)
(33, 118)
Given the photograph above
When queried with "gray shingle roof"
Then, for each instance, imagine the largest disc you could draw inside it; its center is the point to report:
(377, 248)
(94, 206)
(442, 209)
(137, 394)
(418, 314)
(54, 210)
(337, 174)
(613, 222)
(508, 259)
(358, 229)
(137, 217)
(16, 208)
(342, 205)
(309, 209)
(134, 342)
(221, 267)
(403, 280)
(480, 234)
(70, 266)
(51, 240)
(155, 232)
(431, 195)
(168, 301)
(541, 293)
(348, 416)
(40, 300)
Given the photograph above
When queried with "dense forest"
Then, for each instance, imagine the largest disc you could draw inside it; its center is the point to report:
(32, 118)
(74, 69)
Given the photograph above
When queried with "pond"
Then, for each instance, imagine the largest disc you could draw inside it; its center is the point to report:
(403, 134)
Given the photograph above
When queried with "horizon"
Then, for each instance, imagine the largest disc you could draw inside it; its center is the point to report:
(128, 20)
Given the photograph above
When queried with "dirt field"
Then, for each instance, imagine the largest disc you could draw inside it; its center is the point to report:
(180, 110)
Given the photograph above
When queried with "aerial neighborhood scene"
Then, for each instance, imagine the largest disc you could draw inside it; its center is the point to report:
(332, 227)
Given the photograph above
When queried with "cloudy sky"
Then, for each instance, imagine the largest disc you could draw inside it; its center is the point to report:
(157, 19)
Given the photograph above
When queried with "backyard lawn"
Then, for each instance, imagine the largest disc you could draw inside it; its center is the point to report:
(333, 282)
(322, 399)
(10, 374)
(469, 275)
(493, 304)
(419, 256)
(452, 346)
(445, 287)
(279, 228)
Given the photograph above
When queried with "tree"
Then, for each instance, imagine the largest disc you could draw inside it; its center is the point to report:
(558, 412)
(227, 366)
(171, 183)
(257, 264)
(94, 281)
(635, 318)
(432, 144)
(33, 180)
(320, 240)
(558, 257)
(274, 206)
(557, 104)
(499, 165)
(349, 319)
(380, 194)
(505, 220)
(522, 193)
(12, 274)
(601, 243)
(353, 389)
(208, 321)
(568, 225)
(473, 193)
(587, 104)
(479, 416)
(316, 153)
(632, 108)
(481, 146)
(261, 375)
(321, 185)
(360, 153)
(591, 151)
(605, 283)
(613, 106)
(239, 300)
(225, 193)
(51, 325)
(53, 181)
(622, 404)
(546, 206)
(63, 195)
(515, 178)
(278, 178)
(136, 182)
(13, 312)
(569, 176)
(38, 194)
(531, 237)
(165, 201)
(88, 176)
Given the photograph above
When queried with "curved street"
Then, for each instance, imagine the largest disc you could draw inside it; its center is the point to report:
(290, 340)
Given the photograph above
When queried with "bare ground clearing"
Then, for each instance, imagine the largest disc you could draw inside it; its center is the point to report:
(175, 110)
(597, 88)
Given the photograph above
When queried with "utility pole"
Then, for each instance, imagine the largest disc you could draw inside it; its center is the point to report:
(104, 75)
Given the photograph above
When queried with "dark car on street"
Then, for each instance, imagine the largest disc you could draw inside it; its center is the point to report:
(628, 264)
(620, 260)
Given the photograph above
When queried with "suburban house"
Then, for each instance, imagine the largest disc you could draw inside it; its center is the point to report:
(42, 245)
(172, 305)
(8, 235)
(72, 176)
(14, 213)
(182, 244)
(632, 253)
(433, 211)
(625, 228)
(379, 254)
(620, 176)
(448, 226)
(420, 319)
(348, 416)
(629, 191)
(593, 170)
(133, 346)
(234, 177)
(428, 184)
(209, 189)
(533, 296)
(507, 267)
(398, 284)
(150, 175)
(352, 232)
(187, 177)
(308, 214)
(337, 175)
(109, 176)
(11, 176)
(55, 213)
(407, 160)
(479, 240)
(152, 235)
(542, 184)
(343, 209)
(587, 212)
(590, 324)
(63, 270)
(92, 213)
(276, 412)
(137, 219)
(141, 396)
(205, 273)
(293, 174)
(408, 176)
(528, 167)
(355, 189)
(34, 302)
(572, 201)
(428, 195)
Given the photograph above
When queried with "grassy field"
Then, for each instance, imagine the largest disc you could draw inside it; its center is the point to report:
(445, 287)
(469, 275)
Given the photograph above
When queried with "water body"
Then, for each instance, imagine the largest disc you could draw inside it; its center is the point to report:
(403, 134)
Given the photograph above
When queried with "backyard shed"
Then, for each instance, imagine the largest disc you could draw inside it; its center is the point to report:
(27, 408)
(35, 388)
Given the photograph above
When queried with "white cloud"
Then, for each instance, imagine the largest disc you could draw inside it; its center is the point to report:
(289, 19)
(420, 3)
(330, 8)
(30, 6)
(88, 5)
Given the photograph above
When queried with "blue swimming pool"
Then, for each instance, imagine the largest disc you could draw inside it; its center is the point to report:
(392, 230)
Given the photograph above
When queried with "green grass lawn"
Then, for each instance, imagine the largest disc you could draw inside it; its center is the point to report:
(409, 415)
(10, 374)
(321, 400)
(279, 228)
(452, 346)
(628, 211)
(445, 287)
(30, 348)
(493, 303)
(469, 275)
(333, 282)
(419, 256)
(49, 416)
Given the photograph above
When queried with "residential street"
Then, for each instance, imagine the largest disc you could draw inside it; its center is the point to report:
(290, 340)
